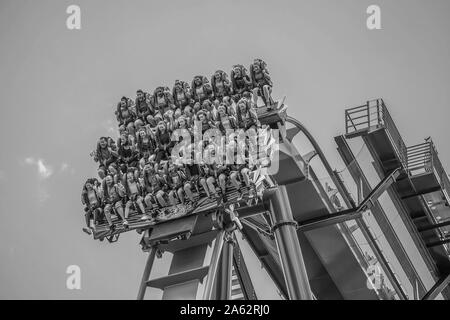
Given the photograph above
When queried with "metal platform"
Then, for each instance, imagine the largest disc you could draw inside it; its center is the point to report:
(421, 192)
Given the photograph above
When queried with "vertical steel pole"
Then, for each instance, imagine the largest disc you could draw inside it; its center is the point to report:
(208, 294)
(226, 270)
(284, 228)
(146, 275)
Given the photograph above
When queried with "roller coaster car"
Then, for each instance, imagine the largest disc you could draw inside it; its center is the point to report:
(202, 204)
(273, 114)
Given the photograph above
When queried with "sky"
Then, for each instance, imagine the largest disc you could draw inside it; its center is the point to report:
(59, 88)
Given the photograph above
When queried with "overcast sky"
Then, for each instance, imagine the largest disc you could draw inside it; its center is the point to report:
(59, 86)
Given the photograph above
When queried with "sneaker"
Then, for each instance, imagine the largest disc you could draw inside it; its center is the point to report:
(145, 217)
(125, 224)
(88, 231)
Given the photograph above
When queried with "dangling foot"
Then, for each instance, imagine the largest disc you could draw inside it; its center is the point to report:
(88, 231)
(125, 224)
(251, 192)
(145, 217)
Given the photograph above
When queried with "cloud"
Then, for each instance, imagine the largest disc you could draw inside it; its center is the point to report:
(109, 126)
(67, 168)
(64, 167)
(44, 171)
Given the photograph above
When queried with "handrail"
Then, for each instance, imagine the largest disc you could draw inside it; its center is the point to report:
(375, 113)
(437, 165)
(395, 134)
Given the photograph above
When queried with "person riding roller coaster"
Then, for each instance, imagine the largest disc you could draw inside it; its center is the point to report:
(192, 172)
(221, 172)
(201, 89)
(144, 109)
(92, 201)
(126, 115)
(155, 186)
(210, 109)
(146, 142)
(114, 171)
(220, 85)
(163, 100)
(105, 154)
(241, 83)
(181, 94)
(262, 84)
(176, 179)
(134, 194)
(164, 142)
(128, 156)
(113, 195)
(207, 180)
(246, 115)
(202, 118)
(239, 170)
(225, 121)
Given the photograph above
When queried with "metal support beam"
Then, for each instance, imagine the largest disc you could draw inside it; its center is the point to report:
(381, 187)
(224, 282)
(255, 227)
(242, 272)
(245, 212)
(285, 231)
(437, 288)
(434, 226)
(351, 214)
(330, 219)
(437, 243)
(147, 271)
(212, 272)
(422, 192)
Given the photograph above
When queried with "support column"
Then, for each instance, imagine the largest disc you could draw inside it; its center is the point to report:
(146, 275)
(208, 294)
(225, 271)
(285, 230)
